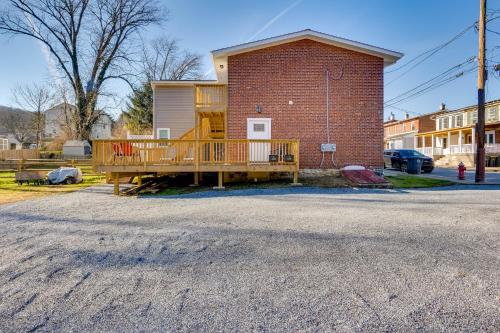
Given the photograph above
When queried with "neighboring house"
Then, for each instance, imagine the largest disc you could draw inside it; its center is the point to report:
(58, 118)
(4, 143)
(453, 137)
(402, 134)
(9, 142)
(307, 85)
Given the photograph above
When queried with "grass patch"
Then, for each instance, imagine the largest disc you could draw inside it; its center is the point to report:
(407, 181)
(10, 191)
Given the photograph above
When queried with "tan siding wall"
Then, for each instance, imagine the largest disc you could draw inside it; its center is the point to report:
(174, 109)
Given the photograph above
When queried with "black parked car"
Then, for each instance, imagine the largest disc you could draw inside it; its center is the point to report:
(406, 160)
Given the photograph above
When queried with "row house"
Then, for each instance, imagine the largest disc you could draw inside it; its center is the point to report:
(402, 134)
(454, 135)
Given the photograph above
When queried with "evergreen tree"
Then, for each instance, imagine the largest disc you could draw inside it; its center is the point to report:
(139, 116)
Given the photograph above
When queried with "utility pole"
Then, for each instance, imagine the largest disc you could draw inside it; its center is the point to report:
(480, 152)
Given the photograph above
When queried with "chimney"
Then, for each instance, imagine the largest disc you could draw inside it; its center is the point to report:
(392, 117)
(442, 107)
(407, 115)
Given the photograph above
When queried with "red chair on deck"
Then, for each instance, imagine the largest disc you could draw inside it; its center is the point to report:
(125, 150)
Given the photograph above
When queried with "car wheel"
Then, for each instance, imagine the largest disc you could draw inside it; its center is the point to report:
(404, 167)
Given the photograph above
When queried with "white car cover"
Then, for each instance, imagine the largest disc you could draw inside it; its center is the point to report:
(60, 175)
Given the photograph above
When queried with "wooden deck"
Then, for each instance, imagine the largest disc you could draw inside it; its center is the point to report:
(128, 157)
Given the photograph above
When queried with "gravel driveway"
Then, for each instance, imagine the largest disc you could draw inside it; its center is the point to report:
(294, 260)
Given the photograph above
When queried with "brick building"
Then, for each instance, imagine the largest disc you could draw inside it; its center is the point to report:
(402, 134)
(310, 86)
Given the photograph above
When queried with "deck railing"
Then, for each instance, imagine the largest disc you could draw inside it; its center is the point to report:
(194, 152)
(211, 96)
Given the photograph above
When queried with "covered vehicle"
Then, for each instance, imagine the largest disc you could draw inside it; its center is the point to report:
(408, 160)
(65, 175)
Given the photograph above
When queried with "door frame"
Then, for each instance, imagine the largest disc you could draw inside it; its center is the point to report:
(269, 124)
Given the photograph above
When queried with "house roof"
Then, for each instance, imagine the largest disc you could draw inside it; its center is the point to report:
(181, 82)
(389, 56)
(474, 106)
(219, 56)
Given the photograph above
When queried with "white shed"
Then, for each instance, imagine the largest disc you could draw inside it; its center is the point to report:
(76, 148)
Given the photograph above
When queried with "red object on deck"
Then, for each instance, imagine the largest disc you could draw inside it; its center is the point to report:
(122, 149)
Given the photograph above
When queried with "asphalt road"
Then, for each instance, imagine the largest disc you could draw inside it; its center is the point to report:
(491, 177)
(282, 260)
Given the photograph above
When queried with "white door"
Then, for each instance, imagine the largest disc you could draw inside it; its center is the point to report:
(259, 129)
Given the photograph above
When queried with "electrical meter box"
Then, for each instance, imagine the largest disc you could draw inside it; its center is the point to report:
(328, 147)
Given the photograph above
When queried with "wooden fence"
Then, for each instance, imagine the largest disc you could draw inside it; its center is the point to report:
(19, 154)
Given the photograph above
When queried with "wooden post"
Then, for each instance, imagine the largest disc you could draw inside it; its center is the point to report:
(220, 181)
(116, 187)
(481, 71)
(196, 179)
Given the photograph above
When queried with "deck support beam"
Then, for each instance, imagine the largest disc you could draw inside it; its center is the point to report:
(196, 180)
(296, 179)
(116, 183)
(220, 181)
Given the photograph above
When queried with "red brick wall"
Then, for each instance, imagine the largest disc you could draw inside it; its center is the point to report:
(295, 72)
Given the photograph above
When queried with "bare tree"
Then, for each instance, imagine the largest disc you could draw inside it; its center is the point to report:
(20, 127)
(35, 98)
(89, 39)
(163, 60)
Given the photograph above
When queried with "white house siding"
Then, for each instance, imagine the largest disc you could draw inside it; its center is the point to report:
(174, 109)
(402, 142)
(102, 128)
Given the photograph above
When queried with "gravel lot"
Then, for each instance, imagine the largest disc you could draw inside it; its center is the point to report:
(294, 260)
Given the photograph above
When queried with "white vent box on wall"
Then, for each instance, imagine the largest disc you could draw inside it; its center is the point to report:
(328, 147)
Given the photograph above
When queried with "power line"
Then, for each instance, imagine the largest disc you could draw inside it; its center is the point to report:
(404, 110)
(433, 86)
(433, 51)
(428, 54)
(469, 60)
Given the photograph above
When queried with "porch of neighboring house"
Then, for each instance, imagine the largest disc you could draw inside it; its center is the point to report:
(452, 146)
(202, 149)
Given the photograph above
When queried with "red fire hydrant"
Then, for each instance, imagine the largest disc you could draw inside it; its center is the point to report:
(461, 171)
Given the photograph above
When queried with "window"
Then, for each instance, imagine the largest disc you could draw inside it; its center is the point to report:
(4, 144)
(492, 114)
(412, 126)
(446, 122)
(490, 137)
(459, 120)
(471, 117)
(163, 133)
(259, 127)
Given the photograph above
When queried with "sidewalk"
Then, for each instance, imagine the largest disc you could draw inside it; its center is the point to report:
(492, 175)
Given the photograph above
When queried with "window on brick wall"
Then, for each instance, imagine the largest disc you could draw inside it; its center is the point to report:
(412, 126)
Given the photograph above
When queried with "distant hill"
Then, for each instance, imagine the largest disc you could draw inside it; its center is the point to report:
(5, 111)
